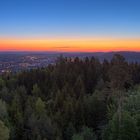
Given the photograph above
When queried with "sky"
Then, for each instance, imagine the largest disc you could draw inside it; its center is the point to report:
(70, 25)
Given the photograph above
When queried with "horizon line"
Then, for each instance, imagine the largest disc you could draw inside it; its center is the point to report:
(125, 51)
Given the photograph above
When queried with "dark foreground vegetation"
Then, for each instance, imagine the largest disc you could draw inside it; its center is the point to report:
(72, 100)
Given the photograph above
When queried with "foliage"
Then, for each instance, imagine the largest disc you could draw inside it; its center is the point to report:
(85, 134)
(4, 131)
(74, 99)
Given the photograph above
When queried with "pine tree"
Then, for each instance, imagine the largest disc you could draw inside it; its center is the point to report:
(4, 132)
(126, 131)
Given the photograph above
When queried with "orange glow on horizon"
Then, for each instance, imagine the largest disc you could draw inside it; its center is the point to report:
(70, 45)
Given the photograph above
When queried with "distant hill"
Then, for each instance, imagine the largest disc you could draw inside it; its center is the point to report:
(129, 56)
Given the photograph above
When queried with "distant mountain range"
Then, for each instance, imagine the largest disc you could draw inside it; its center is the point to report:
(129, 56)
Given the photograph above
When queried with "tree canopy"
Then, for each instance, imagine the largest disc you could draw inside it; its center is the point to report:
(74, 99)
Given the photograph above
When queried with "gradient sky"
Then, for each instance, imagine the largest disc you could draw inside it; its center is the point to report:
(70, 25)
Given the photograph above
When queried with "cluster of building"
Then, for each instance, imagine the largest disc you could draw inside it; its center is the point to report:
(18, 63)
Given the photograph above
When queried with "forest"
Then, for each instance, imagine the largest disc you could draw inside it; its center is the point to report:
(75, 99)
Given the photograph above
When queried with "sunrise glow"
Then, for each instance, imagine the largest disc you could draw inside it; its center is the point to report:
(70, 45)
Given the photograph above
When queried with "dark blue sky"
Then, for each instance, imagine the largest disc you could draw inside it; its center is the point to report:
(59, 18)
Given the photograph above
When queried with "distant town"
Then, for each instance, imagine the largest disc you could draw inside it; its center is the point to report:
(15, 62)
(19, 61)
